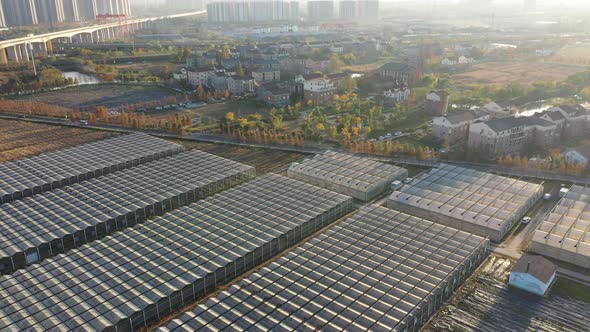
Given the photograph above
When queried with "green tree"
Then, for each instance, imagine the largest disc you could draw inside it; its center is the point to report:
(335, 64)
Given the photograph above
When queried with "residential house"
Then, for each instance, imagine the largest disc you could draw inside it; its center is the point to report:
(200, 75)
(301, 79)
(500, 109)
(457, 62)
(240, 85)
(579, 155)
(396, 72)
(274, 94)
(437, 103)
(453, 129)
(266, 75)
(337, 79)
(533, 274)
(554, 116)
(577, 119)
(399, 93)
(266, 70)
(511, 136)
(337, 49)
(218, 81)
(320, 89)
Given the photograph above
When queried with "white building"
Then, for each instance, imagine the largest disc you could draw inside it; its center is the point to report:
(397, 94)
(533, 274)
(200, 76)
(453, 128)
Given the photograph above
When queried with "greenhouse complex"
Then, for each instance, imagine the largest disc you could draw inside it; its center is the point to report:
(53, 222)
(361, 178)
(52, 170)
(565, 232)
(473, 201)
(379, 270)
(141, 274)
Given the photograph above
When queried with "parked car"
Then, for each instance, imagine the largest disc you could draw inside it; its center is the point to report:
(408, 180)
(397, 133)
(396, 185)
(547, 196)
(526, 220)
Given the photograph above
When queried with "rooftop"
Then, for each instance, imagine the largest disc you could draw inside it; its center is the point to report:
(395, 66)
(374, 271)
(500, 125)
(537, 266)
(565, 232)
(465, 116)
(484, 203)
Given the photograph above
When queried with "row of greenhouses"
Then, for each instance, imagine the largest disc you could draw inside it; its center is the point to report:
(48, 171)
(379, 270)
(478, 202)
(53, 222)
(137, 276)
(361, 178)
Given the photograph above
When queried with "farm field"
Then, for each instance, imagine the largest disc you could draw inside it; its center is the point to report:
(579, 54)
(498, 73)
(24, 139)
(108, 95)
(486, 303)
(265, 160)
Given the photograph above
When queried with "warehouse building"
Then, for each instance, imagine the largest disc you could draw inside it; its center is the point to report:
(54, 222)
(144, 273)
(380, 270)
(565, 232)
(48, 171)
(473, 201)
(361, 178)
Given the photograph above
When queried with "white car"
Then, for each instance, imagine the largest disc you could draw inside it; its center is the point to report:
(526, 220)
(408, 180)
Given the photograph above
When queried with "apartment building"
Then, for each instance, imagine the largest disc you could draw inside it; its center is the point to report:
(453, 129)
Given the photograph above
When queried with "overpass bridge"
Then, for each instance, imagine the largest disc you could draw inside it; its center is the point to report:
(22, 49)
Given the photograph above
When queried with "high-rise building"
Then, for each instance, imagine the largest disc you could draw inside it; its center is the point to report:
(30, 12)
(2, 17)
(186, 4)
(20, 12)
(348, 10)
(252, 11)
(368, 9)
(530, 5)
(318, 10)
(50, 11)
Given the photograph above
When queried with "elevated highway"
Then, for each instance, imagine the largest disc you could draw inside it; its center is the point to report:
(22, 49)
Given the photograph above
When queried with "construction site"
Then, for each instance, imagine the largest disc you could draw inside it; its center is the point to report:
(466, 199)
(361, 178)
(564, 233)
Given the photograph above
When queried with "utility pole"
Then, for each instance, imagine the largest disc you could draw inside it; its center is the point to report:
(32, 57)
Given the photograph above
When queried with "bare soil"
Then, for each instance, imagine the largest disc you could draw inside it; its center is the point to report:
(24, 139)
(497, 73)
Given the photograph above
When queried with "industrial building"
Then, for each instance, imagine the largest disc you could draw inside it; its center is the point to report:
(361, 178)
(48, 171)
(141, 274)
(55, 222)
(473, 201)
(379, 270)
(565, 232)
